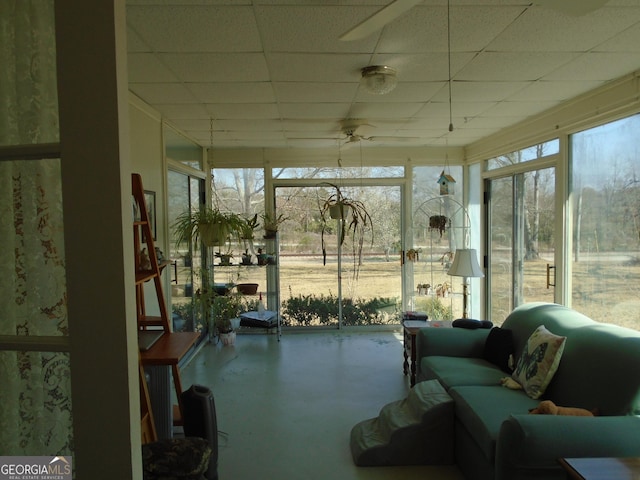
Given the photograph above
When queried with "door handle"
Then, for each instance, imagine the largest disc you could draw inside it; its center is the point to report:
(549, 268)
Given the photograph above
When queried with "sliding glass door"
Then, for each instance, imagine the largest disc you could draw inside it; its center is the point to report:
(521, 244)
(184, 193)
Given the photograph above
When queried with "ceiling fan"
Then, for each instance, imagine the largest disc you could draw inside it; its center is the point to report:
(393, 10)
(351, 135)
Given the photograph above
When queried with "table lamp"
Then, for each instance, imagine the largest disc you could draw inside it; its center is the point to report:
(465, 264)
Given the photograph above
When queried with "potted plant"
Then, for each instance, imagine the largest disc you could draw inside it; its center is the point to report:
(353, 218)
(271, 223)
(224, 309)
(248, 227)
(262, 257)
(246, 258)
(209, 225)
(225, 258)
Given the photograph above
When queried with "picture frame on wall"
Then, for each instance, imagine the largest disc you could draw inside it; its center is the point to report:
(150, 202)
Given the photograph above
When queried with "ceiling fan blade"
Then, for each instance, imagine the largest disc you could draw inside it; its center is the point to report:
(378, 20)
(573, 7)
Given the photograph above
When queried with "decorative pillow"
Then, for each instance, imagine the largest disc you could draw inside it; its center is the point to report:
(499, 347)
(539, 361)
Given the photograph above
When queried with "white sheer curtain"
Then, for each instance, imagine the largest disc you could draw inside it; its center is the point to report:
(35, 396)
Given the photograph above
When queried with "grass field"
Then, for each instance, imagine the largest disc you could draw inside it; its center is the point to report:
(606, 289)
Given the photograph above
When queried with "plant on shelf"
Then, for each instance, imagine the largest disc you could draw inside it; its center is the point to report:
(249, 226)
(246, 258)
(353, 218)
(271, 223)
(225, 258)
(209, 225)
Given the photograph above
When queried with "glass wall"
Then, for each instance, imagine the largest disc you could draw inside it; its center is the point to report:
(440, 225)
(605, 178)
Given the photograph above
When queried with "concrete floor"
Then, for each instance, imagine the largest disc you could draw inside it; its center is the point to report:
(287, 408)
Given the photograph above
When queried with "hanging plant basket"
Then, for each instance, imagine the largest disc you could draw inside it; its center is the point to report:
(439, 222)
(339, 211)
(213, 234)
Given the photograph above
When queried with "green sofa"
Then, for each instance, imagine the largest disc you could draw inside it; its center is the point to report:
(496, 437)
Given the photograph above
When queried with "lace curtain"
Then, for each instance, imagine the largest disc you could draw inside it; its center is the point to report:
(35, 393)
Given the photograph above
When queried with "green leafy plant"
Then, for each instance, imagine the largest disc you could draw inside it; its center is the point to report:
(223, 309)
(209, 225)
(272, 223)
(353, 219)
(249, 226)
(308, 310)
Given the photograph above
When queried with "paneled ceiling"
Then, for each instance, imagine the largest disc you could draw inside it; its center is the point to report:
(274, 73)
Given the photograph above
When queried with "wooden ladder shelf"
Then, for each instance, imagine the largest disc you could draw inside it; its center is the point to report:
(171, 347)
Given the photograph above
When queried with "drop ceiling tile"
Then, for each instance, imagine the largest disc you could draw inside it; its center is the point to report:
(243, 110)
(153, 93)
(425, 28)
(626, 41)
(597, 67)
(423, 67)
(314, 110)
(196, 28)
(200, 123)
(433, 110)
(146, 68)
(492, 123)
(552, 90)
(404, 92)
(183, 111)
(324, 127)
(233, 92)
(478, 91)
(315, 28)
(544, 30)
(385, 110)
(267, 125)
(301, 92)
(296, 67)
(135, 43)
(513, 67)
(518, 109)
(217, 67)
(189, 2)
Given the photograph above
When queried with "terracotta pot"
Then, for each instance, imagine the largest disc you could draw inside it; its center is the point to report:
(247, 288)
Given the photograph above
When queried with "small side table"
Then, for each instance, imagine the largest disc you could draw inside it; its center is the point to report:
(601, 468)
(411, 328)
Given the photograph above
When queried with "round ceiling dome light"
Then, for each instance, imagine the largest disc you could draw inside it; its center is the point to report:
(379, 80)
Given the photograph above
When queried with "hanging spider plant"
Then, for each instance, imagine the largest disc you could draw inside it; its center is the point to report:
(353, 218)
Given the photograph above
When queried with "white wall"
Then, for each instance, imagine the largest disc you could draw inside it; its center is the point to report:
(147, 159)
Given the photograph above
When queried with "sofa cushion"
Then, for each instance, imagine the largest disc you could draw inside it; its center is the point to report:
(482, 409)
(539, 361)
(454, 371)
(499, 347)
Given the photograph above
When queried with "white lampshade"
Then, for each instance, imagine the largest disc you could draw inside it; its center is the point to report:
(465, 263)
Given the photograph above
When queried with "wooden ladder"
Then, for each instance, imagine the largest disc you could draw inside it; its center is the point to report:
(147, 269)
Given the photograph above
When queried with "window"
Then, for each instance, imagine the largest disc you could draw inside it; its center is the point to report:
(605, 178)
(534, 152)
